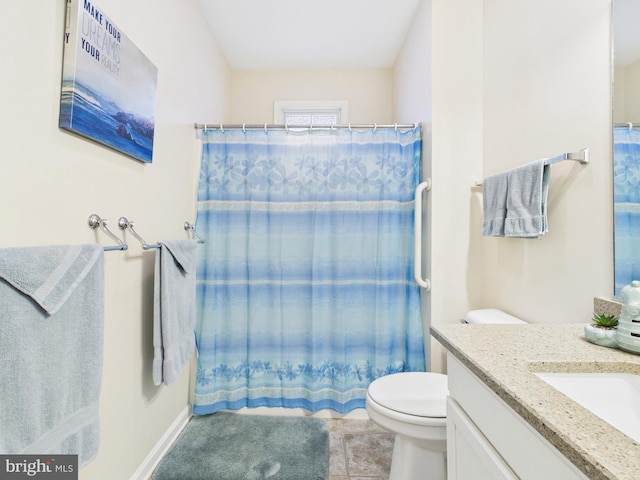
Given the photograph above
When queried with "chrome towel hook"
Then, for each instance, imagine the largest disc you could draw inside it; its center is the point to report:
(96, 222)
(125, 224)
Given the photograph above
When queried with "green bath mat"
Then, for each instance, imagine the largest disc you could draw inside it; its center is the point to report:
(227, 446)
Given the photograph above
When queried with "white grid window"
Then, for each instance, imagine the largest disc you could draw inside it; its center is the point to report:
(310, 112)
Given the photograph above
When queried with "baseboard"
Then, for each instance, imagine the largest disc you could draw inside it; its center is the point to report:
(145, 470)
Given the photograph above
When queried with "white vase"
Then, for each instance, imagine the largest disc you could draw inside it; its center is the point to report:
(605, 337)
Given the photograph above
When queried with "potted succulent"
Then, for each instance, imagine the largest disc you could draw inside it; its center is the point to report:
(602, 330)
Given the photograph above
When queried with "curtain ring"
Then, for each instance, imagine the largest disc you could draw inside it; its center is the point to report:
(395, 127)
(415, 126)
(630, 125)
(221, 128)
(265, 128)
(204, 128)
(375, 127)
(286, 127)
(350, 128)
(244, 130)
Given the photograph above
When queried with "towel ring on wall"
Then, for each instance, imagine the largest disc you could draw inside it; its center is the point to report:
(96, 222)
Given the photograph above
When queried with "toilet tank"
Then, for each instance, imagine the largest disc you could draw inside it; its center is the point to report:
(489, 315)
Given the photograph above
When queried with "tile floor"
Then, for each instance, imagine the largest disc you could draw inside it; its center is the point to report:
(358, 450)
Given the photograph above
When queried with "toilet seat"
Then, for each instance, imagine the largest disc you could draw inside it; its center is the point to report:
(420, 394)
(412, 405)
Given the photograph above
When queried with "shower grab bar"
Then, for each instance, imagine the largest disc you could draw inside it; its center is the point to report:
(96, 222)
(425, 283)
(192, 228)
(125, 224)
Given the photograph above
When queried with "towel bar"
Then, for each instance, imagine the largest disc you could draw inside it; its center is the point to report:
(95, 221)
(125, 224)
(582, 157)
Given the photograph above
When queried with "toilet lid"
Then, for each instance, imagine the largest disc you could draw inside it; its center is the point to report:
(413, 393)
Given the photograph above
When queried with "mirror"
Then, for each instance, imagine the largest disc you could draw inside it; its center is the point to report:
(626, 142)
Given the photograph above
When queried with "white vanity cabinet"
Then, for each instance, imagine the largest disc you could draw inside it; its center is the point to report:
(487, 440)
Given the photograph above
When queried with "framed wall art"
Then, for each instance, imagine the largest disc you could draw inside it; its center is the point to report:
(108, 84)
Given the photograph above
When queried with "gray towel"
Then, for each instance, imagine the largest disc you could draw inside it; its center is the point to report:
(527, 200)
(174, 309)
(494, 205)
(51, 344)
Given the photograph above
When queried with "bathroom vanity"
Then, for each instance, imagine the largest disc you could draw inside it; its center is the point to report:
(505, 422)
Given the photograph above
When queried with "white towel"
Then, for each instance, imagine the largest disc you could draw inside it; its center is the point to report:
(51, 345)
(494, 205)
(515, 202)
(527, 200)
(174, 309)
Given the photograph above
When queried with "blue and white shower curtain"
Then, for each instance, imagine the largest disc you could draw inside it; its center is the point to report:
(305, 284)
(626, 195)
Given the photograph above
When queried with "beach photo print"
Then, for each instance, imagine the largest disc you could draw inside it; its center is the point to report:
(108, 85)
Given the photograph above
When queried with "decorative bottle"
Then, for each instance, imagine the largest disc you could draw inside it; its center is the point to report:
(628, 332)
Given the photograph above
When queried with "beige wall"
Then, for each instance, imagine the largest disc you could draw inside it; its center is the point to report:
(412, 73)
(369, 92)
(487, 104)
(456, 159)
(627, 94)
(619, 95)
(51, 181)
(412, 78)
(498, 104)
(547, 91)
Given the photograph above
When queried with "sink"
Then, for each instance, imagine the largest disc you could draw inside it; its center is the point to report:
(614, 397)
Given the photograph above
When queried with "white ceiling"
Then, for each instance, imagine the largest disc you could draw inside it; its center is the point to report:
(320, 34)
(309, 34)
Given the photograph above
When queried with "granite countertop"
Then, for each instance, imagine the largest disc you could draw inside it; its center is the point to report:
(505, 356)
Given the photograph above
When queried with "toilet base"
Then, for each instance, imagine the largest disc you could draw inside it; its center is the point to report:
(410, 461)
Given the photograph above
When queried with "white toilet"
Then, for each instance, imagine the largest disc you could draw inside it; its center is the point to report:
(413, 406)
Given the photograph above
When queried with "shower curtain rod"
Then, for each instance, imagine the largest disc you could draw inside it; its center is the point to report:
(628, 125)
(272, 126)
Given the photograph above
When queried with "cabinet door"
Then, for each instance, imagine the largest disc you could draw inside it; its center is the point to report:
(469, 455)
(527, 453)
